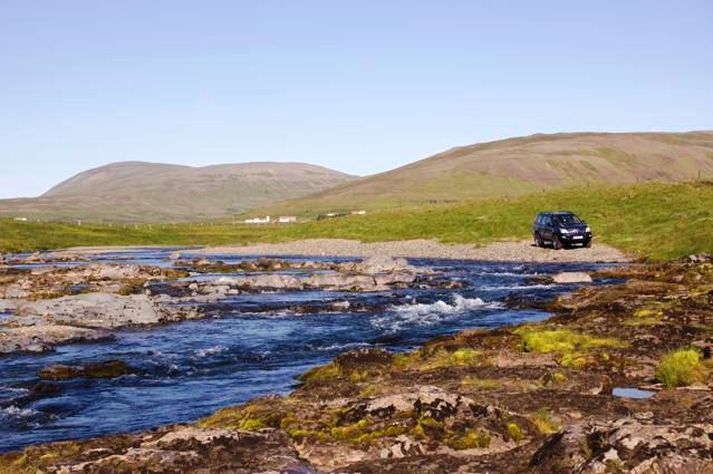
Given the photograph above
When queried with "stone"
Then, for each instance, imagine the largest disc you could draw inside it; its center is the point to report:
(44, 337)
(571, 277)
(107, 369)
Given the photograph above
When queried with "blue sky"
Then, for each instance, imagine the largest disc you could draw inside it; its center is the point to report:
(360, 86)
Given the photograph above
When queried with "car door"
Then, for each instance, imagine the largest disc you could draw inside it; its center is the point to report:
(546, 232)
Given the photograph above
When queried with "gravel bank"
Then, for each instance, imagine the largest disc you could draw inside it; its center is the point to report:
(522, 251)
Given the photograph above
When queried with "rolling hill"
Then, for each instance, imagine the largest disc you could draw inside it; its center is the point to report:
(139, 191)
(518, 166)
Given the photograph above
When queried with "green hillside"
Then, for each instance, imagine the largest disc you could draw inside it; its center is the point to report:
(157, 192)
(654, 220)
(517, 167)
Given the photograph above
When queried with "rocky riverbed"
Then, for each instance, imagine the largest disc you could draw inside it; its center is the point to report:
(597, 387)
(82, 303)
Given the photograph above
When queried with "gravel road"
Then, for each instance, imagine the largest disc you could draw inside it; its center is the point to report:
(522, 251)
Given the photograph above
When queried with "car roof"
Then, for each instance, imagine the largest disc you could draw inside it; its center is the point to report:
(557, 213)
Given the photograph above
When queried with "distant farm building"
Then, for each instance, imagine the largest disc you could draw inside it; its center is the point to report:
(258, 220)
(359, 213)
(270, 220)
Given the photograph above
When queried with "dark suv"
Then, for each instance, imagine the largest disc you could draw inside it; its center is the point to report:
(561, 229)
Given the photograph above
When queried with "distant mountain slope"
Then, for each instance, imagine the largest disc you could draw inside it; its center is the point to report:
(519, 166)
(164, 192)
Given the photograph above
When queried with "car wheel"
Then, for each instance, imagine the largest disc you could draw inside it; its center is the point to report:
(556, 243)
(588, 244)
(538, 240)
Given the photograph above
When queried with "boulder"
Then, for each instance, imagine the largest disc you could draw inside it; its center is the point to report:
(101, 370)
(572, 277)
(43, 337)
(103, 310)
(378, 264)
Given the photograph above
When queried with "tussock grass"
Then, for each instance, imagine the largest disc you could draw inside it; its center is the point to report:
(682, 367)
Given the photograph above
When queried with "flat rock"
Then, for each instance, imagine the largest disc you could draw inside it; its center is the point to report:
(43, 338)
(572, 277)
(96, 370)
(101, 310)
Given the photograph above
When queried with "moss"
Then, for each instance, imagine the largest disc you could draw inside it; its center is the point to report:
(544, 422)
(558, 377)
(58, 293)
(323, 372)
(132, 287)
(439, 358)
(257, 415)
(470, 439)
(428, 427)
(576, 360)
(361, 432)
(480, 384)
(37, 458)
(515, 432)
(349, 432)
(682, 367)
(646, 313)
(298, 433)
(645, 317)
(562, 340)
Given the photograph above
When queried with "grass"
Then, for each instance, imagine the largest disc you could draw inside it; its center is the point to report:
(654, 220)
(681, 368)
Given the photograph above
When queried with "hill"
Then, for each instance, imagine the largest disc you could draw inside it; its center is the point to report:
(138, 191)
(520, 166)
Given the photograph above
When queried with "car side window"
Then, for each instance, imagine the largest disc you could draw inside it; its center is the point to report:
(546, 220)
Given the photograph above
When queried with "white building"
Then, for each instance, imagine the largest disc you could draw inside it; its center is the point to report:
(258, 220)
(287, 219)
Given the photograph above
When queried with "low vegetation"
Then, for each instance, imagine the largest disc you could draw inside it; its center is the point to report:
(561, 340)
(654, 220)
(682, 367)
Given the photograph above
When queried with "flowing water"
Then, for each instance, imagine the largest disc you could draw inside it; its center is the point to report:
(254, 345)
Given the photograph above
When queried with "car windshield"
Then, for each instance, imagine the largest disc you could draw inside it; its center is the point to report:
(567, 219)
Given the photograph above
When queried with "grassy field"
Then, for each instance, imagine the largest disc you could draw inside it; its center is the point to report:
(655, 220)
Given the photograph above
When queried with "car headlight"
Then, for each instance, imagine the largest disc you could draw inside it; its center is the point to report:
(587, 229)
(564, 231)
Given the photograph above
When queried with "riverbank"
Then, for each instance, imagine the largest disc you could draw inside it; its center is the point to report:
(507, 251)
(618, 378)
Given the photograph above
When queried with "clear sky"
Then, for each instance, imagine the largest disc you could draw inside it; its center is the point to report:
(361, 86)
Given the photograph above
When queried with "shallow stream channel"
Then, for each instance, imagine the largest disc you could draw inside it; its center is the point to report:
(252, 345)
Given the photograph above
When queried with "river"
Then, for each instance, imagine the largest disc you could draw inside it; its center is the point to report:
(254, 345)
